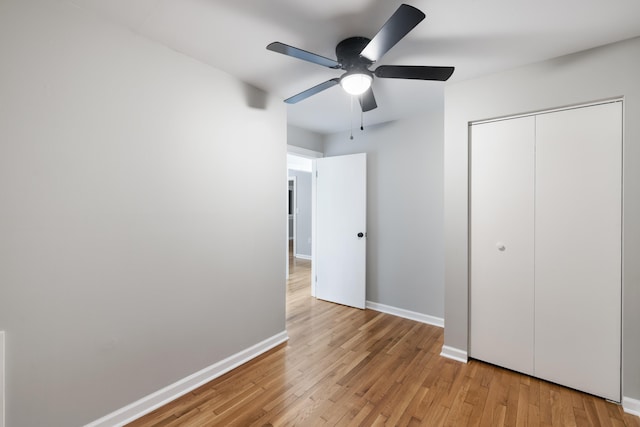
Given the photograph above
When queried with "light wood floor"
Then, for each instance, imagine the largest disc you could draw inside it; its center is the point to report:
(344, 366)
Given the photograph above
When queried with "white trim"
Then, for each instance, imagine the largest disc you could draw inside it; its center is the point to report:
(631, 406)
(2, 399)
(302, 256)
(454, 353)
(552, 110)
(314, 220)
(286, 231)
(161, 397)
(400, 312)
(304, 152)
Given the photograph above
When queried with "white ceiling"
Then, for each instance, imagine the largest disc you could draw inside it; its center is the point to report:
(477, 37)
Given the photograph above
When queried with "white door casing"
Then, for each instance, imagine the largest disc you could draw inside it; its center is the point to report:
(298, 152)
(339, 258)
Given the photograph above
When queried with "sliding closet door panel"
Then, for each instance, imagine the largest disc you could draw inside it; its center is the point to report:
(502, 197)
(578, 248)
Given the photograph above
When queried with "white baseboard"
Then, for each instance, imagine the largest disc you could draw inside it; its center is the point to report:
(301, 256)
(2, 404)
(454, 353)
(161, 397)
(631, 406)
(411, 315)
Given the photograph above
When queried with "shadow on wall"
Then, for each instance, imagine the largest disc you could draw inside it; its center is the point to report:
(254, 97)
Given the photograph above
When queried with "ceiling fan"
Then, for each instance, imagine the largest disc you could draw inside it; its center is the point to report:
(356, 54)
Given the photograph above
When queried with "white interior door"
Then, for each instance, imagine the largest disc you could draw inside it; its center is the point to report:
(340, 229)
(502, 230)
(578, 248)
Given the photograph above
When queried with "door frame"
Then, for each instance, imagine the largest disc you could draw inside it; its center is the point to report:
(309, 154)
(314, 221)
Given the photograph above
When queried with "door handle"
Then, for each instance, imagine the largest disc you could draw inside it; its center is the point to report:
(360, 235)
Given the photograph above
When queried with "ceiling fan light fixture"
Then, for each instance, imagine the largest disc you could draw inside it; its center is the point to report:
(356, 82)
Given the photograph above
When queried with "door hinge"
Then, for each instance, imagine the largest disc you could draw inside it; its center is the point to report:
(316, 174)
(316, 278)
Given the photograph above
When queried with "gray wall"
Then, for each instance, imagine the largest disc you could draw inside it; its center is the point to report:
(303, 221)
(597, 74)
(405, 256)
(124, 248)
(304, 138)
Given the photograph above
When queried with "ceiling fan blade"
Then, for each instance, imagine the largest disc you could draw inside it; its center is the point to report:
(302, 54)
(401, 22)
(312, 91)
(368, 101)
(417, 72)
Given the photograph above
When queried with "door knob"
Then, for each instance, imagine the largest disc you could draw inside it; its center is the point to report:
(361, 235)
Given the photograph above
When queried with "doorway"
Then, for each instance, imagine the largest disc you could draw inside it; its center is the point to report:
(292, 214)
(328, 207)
(299, 208)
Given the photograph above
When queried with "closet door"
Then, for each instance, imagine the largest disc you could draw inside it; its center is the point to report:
(501, 247)
(578, 248)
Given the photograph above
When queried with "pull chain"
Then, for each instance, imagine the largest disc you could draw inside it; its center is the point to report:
(351, 115)
(361, 119)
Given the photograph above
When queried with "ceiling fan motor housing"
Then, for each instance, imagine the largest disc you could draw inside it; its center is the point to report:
(348, 54)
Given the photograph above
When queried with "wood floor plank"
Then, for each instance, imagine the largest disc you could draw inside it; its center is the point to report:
(460, 411)
(350, 367)
(361, 415)
(631, 420)
(546, 403)
(477, 398)
(522, 414)
(513, 396)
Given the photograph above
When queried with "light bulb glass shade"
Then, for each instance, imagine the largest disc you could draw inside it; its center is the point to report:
(356, 83)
